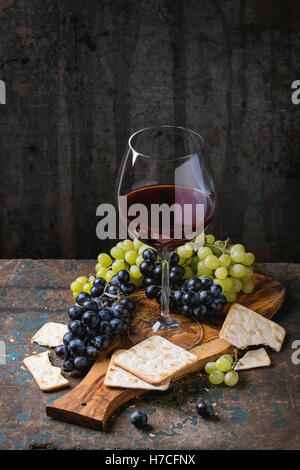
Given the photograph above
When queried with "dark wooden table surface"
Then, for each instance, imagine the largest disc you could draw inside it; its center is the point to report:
(262, 412)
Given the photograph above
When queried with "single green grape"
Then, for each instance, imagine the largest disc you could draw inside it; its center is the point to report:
(216, 377)
(209, 367)
(76, 286)
(228, 284)
(117, 252)
(237, 270)
(91, 278)
(225, 260)
(87, 287)
(228, 357)
(120, 245)
(128, 245)
(221, 273)
(238, 247)
(104, 260)
(137, 244)
(101, 272)
(139, 260)
(118, 265)
(131, 256)
(249, 259)
(237, 285)
(248, 286)
(135, 272)
(231, 378)
(200, 237)
(202, 269)
(108, 275)
(185, 251)
(237, 256)
(203, 252)
(211, 262)
(210, 239)
(82, 279)
(223, 364)
(230, 296)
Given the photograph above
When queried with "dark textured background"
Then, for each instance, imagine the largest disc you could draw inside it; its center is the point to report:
(82, 75)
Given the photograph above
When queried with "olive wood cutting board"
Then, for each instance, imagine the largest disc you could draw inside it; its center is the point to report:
(91, 403)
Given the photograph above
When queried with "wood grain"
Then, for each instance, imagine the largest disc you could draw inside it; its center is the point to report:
(91, 403)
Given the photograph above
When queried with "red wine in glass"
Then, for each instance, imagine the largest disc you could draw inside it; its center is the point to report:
(170, 194)
(166, 166)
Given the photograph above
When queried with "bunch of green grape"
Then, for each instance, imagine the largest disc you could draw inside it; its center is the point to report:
(229, 266)
(222, 371)
(125, 255)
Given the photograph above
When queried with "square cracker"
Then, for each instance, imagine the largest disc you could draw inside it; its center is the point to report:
(244, 327)
(44, 373)
(50, 335)
(155, 359)
(253, 359)
(118, 377)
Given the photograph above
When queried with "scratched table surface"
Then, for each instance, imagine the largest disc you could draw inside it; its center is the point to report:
(261, 412)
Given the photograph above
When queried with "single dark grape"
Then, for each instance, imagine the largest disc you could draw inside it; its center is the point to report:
(61, 351)
(150, 254)
(157, 273)
(123, 276)
(149, 281)
(138, 418)
(76, 347)
(194, 284)
(152, 291)
(204, 296)
(81, 363)
(179, 270)
(146, 268)
(83, 297)
(99, 281)
(178, 296)
(105, 314)
(206, 281)
(115, 324)
(187, 311)
(128, 304)
(90, 305)
(67, 338)
(77, 328)
(190, 298)
(96, 291)
(101, 342)
(128, 289)
(91, 353)
(105, 327)
(112, 290)
(90, 318)
(68, 365)
(115, 281)
(75, 313)
(204, 409)
(215, 290)
(90, 333)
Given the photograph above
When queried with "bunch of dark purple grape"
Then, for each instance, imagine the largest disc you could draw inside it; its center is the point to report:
(197, 298)
(104, 312)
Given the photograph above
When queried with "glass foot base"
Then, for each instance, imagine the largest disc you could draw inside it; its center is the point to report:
(181, 331)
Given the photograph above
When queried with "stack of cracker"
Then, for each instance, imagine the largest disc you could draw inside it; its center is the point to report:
(149, 365)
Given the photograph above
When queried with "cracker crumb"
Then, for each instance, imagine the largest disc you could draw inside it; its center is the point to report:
(152, 435)
(214, 404)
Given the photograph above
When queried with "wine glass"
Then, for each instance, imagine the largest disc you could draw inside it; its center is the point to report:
(165, 165)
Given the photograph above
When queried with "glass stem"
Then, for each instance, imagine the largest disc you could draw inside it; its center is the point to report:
(165, 286)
